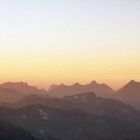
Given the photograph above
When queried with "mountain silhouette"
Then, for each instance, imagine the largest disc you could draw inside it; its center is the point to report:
(31, 100)
(22, 87)
(62, 90)
(11, 92)
(130, 94)
(19, 94)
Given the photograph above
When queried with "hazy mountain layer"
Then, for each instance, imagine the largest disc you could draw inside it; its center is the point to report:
(64, 90)
(21, 94)
(79, 117)
(12, 92)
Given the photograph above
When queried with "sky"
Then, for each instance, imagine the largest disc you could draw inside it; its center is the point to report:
(47, 42)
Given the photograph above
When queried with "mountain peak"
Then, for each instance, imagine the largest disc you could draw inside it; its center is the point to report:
(62, 85)
(14, 84)
(131, 88)
(93, 82)
(22, 87)
(133, 82)
(76, 84)
(66, 90)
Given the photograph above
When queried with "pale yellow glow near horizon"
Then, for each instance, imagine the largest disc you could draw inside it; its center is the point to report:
(41, 69)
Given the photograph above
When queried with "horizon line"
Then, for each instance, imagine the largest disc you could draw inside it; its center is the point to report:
(74, 83)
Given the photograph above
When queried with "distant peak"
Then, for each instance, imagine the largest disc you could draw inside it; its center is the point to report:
(131, 88)
(15, 83)
(133, 82)
(53, 86)
(62, 85)
(93, 82)
(76, 84)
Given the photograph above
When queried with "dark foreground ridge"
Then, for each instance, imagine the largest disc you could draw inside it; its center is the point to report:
(10, 132)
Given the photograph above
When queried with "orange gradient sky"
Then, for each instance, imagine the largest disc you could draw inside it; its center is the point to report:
(49, 42)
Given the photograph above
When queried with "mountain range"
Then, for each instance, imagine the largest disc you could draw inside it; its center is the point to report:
(79, 117)
(78, 114)
(20, 93)
(11, 92)
(62, 90)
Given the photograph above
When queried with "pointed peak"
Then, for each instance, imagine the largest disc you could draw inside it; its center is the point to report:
(62, 85)
(131, 88)
(133, 82)
(76, 84)
(52, 86)
(93, 82)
